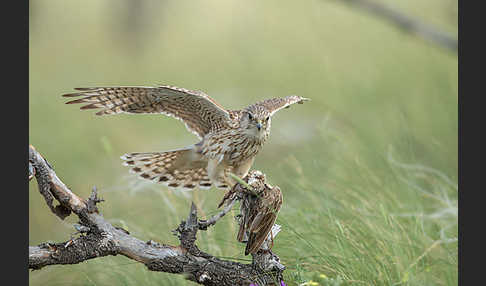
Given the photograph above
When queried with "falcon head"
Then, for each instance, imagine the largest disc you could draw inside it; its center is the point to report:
(256, 121)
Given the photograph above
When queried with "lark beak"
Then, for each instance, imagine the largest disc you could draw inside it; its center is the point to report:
(259, 126)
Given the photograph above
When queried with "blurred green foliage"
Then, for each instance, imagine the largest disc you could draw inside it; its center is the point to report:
(368, 168)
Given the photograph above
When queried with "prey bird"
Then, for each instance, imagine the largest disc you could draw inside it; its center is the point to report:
(229, 139)
(261, 218)
(259, 208)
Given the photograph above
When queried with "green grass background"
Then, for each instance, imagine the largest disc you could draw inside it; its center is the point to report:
(368, 168)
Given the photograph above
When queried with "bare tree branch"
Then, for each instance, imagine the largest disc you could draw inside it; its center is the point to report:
(203, 224)
(99, 238)
(407, 23)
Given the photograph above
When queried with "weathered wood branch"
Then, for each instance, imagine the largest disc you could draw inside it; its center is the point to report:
(407, 23)
(99, 238)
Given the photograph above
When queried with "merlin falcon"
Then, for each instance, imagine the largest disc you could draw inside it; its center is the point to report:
(229, 139)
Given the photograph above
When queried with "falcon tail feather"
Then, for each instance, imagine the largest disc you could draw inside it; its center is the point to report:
(178, 169)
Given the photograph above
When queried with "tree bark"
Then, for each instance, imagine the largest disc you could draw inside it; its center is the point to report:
(99, 238)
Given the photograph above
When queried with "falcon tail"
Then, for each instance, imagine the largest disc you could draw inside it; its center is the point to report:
(178, 169)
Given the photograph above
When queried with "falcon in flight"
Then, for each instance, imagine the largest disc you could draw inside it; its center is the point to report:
(229, 139)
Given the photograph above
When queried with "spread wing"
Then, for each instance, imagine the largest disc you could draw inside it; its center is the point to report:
(273, 105)
(262, 223)
(196, 109)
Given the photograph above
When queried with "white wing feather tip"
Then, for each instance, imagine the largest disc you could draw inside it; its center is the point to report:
(302, 99)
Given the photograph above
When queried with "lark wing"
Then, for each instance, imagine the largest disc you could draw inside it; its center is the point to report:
(197, 110)
(257, 238)
(264, 220)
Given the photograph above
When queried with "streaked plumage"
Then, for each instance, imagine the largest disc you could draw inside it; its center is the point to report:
(259, 209)
(260, 218)
(229, 139)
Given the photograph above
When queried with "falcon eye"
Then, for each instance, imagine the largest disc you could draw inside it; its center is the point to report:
(250, 116)
(267, 118)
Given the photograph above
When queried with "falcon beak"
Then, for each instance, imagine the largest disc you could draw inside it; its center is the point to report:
(259, 126)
